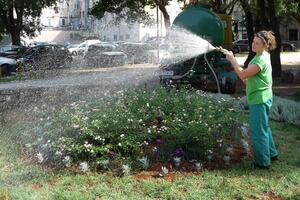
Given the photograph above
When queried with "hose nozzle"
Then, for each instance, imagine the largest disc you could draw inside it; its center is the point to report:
(221, 49)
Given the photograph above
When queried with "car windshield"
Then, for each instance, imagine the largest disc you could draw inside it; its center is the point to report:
(73, 46)
(101, 48)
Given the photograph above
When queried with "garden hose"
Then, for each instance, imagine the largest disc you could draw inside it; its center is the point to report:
(217, 81)
(187, 73)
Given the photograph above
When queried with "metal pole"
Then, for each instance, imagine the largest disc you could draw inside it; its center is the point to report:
(157, 38)
(68, 2)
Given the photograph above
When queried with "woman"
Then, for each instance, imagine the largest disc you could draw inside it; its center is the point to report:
(259, 96)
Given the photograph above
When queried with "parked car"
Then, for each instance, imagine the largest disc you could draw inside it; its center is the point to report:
(44, 57)
(240, 46)
(136, 52)
(13, 51)
(38, 43)
(104, 55)
(83, 47)
(7, 66)
(287, 46)
(73, 49)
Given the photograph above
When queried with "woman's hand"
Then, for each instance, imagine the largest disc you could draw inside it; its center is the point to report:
(229, 54)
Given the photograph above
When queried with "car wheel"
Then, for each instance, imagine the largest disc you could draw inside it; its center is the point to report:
(235, 50)
(287, 49)
(6, 70)
(165, 82)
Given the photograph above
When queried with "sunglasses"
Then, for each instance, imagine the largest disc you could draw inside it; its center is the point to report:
(262, 36)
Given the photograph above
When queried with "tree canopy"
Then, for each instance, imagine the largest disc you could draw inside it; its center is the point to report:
(21, 17)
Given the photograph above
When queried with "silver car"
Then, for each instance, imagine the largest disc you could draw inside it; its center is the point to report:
(7, 66)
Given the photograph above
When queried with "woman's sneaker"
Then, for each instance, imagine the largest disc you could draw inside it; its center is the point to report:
(274, 158)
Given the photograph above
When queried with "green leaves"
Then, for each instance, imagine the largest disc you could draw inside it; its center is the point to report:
(24, 20)
(155, 124)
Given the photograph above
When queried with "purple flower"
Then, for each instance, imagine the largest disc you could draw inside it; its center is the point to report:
(158, 141)
(178, 152)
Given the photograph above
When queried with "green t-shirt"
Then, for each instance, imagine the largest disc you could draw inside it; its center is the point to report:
(259, 86)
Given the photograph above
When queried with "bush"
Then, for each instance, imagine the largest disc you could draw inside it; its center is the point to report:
(159, 124)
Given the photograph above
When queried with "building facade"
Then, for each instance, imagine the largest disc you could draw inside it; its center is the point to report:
(72, 16)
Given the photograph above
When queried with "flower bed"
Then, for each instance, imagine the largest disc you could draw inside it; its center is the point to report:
(139, 129)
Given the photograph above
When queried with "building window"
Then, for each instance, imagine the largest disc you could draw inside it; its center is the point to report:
(293, 34)
(76, 6)
(115, 37)
(121, 38)
(244, 36)
(63, 22)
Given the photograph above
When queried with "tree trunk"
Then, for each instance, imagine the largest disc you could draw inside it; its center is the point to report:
(250, 31)
(15, 36)
(262, 14)
(275, 55)
(166, 15)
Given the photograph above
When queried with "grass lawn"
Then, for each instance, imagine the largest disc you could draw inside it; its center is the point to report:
(22, 180)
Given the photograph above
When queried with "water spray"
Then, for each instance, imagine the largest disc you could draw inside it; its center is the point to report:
(187, 45)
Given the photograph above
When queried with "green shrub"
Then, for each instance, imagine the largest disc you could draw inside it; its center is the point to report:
(158, 124)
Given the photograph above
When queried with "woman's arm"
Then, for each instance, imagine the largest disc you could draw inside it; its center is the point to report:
(243, 74)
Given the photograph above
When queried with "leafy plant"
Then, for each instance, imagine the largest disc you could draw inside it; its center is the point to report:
(158, 125)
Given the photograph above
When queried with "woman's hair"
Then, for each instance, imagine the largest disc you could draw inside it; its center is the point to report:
(268, 38)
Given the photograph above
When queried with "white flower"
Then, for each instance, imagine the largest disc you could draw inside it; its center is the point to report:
(198, 166)
(119, 144)
(147, 105)
(122, 135)
(84, 167)
(144, 162)
(244, 131)
(87, 145)
(245, 144)
(75, 126)
(140, 121)
(164, 171)
(177, 161)
(40, 157)
(67, 161)
(220, 141)
(105, 164)
(229, 150)
(126, 169)
(58, 154)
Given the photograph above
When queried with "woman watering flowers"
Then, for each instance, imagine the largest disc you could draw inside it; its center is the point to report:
(258, 77)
